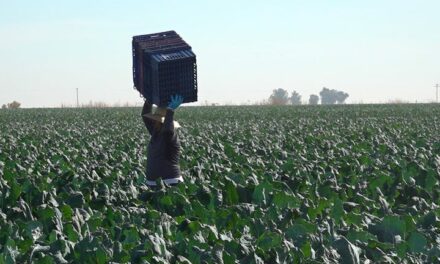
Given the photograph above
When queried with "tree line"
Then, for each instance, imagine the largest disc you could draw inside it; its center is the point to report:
(13, 105)
(327, 96)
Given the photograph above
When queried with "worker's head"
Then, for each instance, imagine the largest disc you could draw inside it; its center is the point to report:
(160, 111)
(159, 115)
(159, 118)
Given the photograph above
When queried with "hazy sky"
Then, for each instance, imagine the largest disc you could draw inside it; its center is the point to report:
(374, 50)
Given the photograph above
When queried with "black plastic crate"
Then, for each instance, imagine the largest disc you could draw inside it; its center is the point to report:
(164, 65)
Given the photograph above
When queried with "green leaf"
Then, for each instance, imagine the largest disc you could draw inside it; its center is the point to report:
(300, 227)
(166, 201)
(10, 252)
(131, 238)
(428, 220)
(337, 210)
(67, 212)
(354, 218)
(260, 193)
(45, 260)
(34, 229)
(52, 236)
(231, 194)
(76, 200)
(269, 240)
(431, 181)
(229, 150)
(417, 242)
(349, 252)
(379, 181)
(323, 204)
(25, 245)
(282, 199)
(388, 228)
(15, 190)
(308, 251)
(362, 236)
(71, 233)
(101, 256)
(45, 213)
(402, 249)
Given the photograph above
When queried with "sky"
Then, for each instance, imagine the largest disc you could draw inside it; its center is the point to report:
(376, 51)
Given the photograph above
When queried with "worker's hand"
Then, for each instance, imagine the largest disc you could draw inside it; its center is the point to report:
(175, 102)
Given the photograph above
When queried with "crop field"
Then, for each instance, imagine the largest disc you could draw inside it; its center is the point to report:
(322, 184)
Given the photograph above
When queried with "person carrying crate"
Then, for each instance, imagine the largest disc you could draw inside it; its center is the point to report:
(164, 147)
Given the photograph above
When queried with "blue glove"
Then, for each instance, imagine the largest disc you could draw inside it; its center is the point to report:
(175, 102)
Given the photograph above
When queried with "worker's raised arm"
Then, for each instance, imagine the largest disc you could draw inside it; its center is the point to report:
(169, 117)
(147, 109)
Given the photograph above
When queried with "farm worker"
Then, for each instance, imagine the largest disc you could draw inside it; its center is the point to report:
(164, 146)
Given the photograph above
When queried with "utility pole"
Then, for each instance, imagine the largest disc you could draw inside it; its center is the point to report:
(436, 92)
(77, 101)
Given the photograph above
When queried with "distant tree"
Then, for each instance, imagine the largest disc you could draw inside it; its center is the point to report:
(332, 96)
(295, 98)
(340, 97)
(4, 106)
(279, 97)
(327, 96)
(313, 99)
(14, 105)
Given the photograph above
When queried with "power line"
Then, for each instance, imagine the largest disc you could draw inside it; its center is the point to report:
(436, 92)
(77, 101)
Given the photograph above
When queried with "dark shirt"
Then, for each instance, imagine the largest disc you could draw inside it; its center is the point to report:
(164, 147)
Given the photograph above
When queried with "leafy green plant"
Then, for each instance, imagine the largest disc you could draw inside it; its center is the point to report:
(263, 184)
